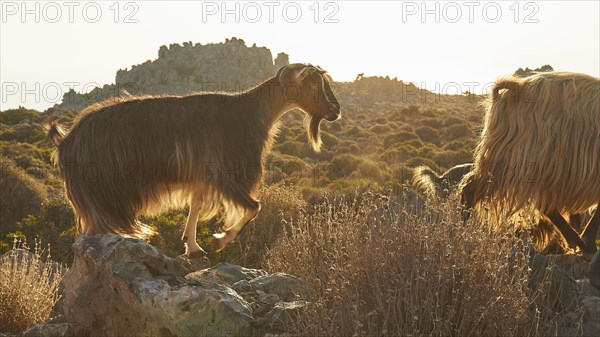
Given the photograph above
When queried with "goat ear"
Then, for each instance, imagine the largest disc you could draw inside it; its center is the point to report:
(294, 72)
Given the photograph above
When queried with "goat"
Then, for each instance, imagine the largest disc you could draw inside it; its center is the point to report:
(435, 187)
(139, 155)
(540, 147)
(439, 188)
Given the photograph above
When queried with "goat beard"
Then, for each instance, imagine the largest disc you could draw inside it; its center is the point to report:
(313, 129)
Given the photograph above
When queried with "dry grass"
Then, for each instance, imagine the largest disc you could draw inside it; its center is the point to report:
(279, 204)
(28, 288)
(380, 269)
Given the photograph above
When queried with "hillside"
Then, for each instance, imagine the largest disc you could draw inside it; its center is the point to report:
(387, 128)
(343, 224)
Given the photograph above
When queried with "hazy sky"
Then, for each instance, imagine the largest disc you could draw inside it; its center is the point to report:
(47, 47)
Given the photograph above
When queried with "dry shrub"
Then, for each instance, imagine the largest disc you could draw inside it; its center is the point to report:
(380, 269)
(28, 288)
(20, 195)
(279, 204)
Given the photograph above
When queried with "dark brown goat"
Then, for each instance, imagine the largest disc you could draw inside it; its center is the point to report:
(139, 155)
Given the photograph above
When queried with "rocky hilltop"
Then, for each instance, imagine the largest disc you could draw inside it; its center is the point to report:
(182, 69)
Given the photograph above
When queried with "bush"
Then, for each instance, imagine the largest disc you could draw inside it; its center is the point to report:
(452, 121)
(20, 196)
(356, 132)
(428, 135)
(15, 116)
(399, 153)
(399, 137)
(457, 131)
(27, 155)
(462, 144)
(280, 206)
(289, 166)
(434, 122)
(55, 225)
(448, 159)
(28, 288)
(380, 270)
(25, 133)
(294, 148)
(348, 147)
(371, 170)
(169, 228)
(381, 128)
(329, 140)
(416, 143)
(418, 161)
(343, 165)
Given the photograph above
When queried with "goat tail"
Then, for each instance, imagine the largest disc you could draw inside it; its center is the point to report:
(425, 180)
(55, 134)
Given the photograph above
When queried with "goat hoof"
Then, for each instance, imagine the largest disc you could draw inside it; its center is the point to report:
(196, 255)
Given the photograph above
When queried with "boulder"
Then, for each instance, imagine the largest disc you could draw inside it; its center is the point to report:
(563, 292)
(282, 315)
(226, 273)
(573, 264)
(49, 330)
(287, 287)
(591, 316)
(123, 286)
(567, 291)
(594, 270)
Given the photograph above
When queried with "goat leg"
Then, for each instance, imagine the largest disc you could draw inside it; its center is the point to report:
(589, 235)
(573, 239)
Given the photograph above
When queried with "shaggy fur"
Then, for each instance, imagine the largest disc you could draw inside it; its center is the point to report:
(540, 146)
(140, 155)
(435, 187)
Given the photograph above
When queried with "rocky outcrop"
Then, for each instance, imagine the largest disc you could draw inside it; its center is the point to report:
(594, 270)
(120, 286)
(577, 301)
(182, 69)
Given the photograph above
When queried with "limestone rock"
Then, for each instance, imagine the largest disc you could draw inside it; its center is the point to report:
(577, 301)
(122, 286)
(591, 316)
(178, 70)
(588, 290)
(287, 287)
(227, 273)
(49, 330)
(573, 264)
(283, 314)
(563, 292)
(594, 270)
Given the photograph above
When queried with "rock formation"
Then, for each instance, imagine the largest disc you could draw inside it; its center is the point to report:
(182, 69)
(119, 286)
